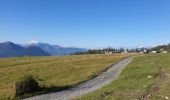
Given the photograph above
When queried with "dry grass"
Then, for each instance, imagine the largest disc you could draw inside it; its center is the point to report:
(53, 71)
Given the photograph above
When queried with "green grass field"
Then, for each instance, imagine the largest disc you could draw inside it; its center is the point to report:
(52, 72)
(139, 79)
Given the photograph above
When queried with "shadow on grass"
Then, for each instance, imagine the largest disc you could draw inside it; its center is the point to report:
(43, 90)
(52, 89)
(46, 90)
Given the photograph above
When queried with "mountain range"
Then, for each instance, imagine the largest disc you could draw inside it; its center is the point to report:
(10, 49)
(56, 50)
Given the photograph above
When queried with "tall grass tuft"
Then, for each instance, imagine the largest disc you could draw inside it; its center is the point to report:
(26, 84)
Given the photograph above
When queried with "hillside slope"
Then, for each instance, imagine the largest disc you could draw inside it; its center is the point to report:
(56, 50)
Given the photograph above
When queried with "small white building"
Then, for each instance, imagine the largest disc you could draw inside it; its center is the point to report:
(124, 52)
(153, 51)
(164, 51)
(145, 51)
(141, 52)
(108, 52)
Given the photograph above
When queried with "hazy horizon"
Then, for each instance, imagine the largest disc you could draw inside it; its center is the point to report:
(36, 42)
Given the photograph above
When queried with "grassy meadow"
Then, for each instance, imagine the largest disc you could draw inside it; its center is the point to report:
(140, 80)
(52, 72)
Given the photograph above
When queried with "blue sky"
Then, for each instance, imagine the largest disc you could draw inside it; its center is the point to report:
(86, 23)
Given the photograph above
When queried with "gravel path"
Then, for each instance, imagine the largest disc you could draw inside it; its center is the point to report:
(89, 86)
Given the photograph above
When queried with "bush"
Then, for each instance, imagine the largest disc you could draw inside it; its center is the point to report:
(26, 84)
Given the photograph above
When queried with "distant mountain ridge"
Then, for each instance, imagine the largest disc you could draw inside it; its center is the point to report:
(56, 50)
(10, 49)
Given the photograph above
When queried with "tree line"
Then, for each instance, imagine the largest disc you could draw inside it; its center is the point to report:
(109, 49)
(120, 50)
(159, 48)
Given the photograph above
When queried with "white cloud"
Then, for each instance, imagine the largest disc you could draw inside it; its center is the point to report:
(141, 46)
(32, 42)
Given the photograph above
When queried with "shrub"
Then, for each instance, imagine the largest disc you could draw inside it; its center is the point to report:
(26, 84)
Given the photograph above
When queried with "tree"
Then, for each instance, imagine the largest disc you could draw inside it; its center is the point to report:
(168, 47)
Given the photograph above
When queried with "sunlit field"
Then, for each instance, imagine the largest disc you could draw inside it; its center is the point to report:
(53, 72)
(147, 76)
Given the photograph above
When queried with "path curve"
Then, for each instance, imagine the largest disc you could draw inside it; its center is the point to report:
(103, 79)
